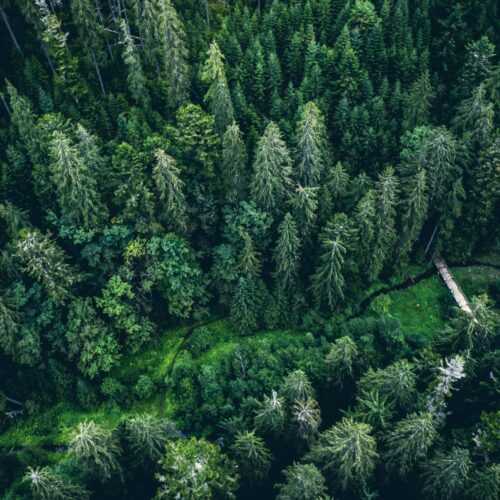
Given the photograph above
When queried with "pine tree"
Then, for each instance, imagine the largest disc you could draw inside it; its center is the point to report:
(47, 485)
(310, 145)
(306, 417)
(364, 215)
(217, 96)
(328, 282)
(245, 306)
(296, 387)
(75, 183)
(272, 170)
(249, 263)
(304, 206)
(270, 414)
(96, 449)
(44, 261)
(410, 440)
(340, 360)
(234, 161)
(170, 188)
(147, 435)
(348, 450)
(252, 456)
(415, 205)
(287, 255)
(338, 183)
(386, 192)
(373, 409)
(446, 475)
(136, 81)
(302, 481)
(418, 103)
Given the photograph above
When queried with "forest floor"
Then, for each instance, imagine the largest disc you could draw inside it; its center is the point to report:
(423, 307)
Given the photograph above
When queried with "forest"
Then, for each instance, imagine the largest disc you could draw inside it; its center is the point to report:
(220, 222)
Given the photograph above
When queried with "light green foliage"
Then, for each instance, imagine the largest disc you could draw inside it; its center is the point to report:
(409, 441)
(447, 474)
(136, 81)
(306, 416)
(340, 360)
(90, 340)
(46, 485)
(296, 387)
(252, 456)
(217, 96)
(195, 468)
(304, 204)
(45, 262)
(346, 450)
(271, 181)
(310, 145)
(328, 282)
(147, 435)
(77, 191)
(373, 409)
(171, 190)
(270, 414)
(96, 450)
(396, 381)
(287, 254)
(303, 481)
(234, 161)
(249, 263)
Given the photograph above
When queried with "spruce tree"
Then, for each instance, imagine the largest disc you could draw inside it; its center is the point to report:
(270, 414)
(271, 171)
(328, 281)
(310, 145)
(217, 96)
(418, 102)
(234, 162)
(340, 360)
(287, 255)
(304, 205)
(302, 481)
(136, 80)
(252, 456)
(47, 485)
(171, 190)
(75, 183)
(249, 263)
(410, 440)
(245, 306)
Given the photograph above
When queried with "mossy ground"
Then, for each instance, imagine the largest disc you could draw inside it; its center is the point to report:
(422, 308)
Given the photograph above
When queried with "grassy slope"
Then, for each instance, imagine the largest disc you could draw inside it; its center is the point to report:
(419, 308)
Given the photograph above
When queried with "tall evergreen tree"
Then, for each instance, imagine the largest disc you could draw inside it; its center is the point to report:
(252, 456)
(287, 255)
(217, 96)
(310, 145)
(234, 161)
(272, 170)
(418, 103)
(245, 306)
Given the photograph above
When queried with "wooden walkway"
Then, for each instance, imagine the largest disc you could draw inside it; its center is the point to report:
(452, 285)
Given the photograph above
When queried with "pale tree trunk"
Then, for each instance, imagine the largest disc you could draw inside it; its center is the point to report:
(98, 71)
(9, 29)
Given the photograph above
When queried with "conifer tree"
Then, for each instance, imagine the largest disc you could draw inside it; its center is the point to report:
(304, 207)
(287, 255)
(249, 263)
(302, 481)
(96, 449)
(364, 215)
(347, 450)
(170, 188)
(245, 306)
(296, 386)
(47, 485)
(252, 456)
(339, 182)
(386, 192)
(306, 417)
(270, 414)
(418, 102)
(447, 474)
(408, 443)
(217, 96)
(136, 81)
(414, 215)
(75, 183)
(374, 409)
(310, 145)
(271, 171)
(44, 261)
(328, 282)
(340, 360)
(234, 161)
